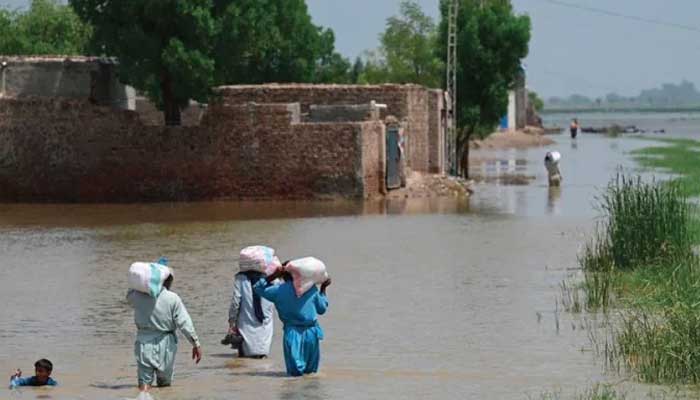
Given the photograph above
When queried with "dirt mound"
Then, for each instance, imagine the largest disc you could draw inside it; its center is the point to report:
(530, 137)
(432, 185)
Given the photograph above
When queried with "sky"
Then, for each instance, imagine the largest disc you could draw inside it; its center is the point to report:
(573, 50)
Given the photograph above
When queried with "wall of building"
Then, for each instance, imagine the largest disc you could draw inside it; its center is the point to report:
(437, 121)
(72, 77)
(80, 152)
(520, 108)
(150, 115)
(374, 159)
(406, 102)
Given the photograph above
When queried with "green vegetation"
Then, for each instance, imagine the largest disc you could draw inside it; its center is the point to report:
(677, 156)
(641, 263)
(407, 52)
(47, 27)
(273, 41)
(647, 225)
(536, 101)
(492, 41)
(175, 51)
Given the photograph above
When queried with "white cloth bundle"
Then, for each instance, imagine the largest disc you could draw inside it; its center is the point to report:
(306, 272)
(148, 277)
(258, 258)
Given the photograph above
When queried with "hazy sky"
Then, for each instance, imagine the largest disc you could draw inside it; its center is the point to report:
(572, 50)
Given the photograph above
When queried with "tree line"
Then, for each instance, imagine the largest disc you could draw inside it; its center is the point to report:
(175, 51)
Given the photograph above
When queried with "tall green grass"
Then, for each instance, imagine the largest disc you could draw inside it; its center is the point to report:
(659, 339)
(646, 224)
(640, 261)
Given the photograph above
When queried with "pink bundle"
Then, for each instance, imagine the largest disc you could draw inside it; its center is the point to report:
(260, 259)
(306, 272)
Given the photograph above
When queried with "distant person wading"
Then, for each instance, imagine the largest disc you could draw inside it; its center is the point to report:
(573, 128)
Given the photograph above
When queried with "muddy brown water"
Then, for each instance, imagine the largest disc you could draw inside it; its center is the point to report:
(431, 298)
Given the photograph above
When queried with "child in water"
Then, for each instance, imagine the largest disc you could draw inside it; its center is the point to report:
(299, 315)
(42, 376)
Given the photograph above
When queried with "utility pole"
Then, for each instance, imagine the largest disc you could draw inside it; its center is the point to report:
(451, 139)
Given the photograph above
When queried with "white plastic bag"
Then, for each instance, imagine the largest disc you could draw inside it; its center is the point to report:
(259, 259)
(306, 272)
(148, 277)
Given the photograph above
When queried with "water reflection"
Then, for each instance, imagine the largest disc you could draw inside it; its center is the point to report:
(553, 195)
(68, 215)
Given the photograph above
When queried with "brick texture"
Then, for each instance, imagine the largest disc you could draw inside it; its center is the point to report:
(67, 150)
(406, 102)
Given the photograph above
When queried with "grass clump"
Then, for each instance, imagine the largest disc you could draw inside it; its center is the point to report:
(659, 339)
(641, 262)
(646, 225)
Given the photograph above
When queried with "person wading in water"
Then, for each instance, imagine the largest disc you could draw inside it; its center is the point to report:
(574, 128)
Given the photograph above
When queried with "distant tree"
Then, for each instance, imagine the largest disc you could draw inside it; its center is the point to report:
(47, 27)
(357, 69)
(407, 51)
(375, 69)
(536, 101)
(492, 41)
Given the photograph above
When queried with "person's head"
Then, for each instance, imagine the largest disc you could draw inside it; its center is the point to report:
(168, 282)
(42, 370)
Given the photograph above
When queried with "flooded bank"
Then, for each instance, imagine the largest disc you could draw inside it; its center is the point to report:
(431, 298)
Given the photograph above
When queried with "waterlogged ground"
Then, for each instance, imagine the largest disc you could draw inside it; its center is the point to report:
(431, 299)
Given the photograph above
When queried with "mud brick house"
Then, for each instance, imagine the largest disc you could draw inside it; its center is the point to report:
(70, 132)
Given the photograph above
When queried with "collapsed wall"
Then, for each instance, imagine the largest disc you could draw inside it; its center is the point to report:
(80, 152)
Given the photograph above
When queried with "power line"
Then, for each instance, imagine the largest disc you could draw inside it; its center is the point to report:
(624, 16)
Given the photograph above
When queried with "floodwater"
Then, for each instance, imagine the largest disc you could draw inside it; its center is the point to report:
(430, 298)
(677, 124)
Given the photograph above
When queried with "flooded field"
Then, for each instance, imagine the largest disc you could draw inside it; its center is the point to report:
(431, 298)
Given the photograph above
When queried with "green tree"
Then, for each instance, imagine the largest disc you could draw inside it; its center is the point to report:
(536, 101)
(176, 50)
(492, 41)
(274, 41)
(407, 51)
(357, 69)
(47, 27)
(164, 47)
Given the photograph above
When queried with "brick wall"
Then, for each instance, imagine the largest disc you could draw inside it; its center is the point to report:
(150, 115)
(374, 158)
(417, 129)
(436, 132)
(79, 152)
(409, 102)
